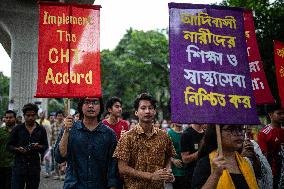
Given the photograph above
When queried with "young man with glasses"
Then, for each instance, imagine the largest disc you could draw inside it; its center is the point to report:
(87, 145)
(28, 141)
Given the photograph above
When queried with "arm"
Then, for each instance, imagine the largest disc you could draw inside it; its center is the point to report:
(122, 153)
(42, 146)
(159, 175)
(68, 123)
(63, 144)
(11, 145)
(57, 154)
(124, 169)
(188, 158)
(186, 148)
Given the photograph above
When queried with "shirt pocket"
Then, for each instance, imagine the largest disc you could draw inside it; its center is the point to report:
(157, 156)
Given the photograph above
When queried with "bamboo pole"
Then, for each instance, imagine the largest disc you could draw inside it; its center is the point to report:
(67, 106)
(219, 140)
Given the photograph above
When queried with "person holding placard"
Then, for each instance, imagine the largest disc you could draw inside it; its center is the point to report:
(226, 169)
(87, 145)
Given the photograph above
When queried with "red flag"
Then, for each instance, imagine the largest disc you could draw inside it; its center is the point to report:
(69, 53)
(260, 86)
(279, 65)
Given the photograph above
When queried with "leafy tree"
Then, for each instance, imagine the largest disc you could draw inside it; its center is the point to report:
(55, 104)
(269, 26)
(4, 93)
(138, 64)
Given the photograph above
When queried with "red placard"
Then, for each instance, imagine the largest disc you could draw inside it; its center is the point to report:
(279, 65)
(260, 86)
(68, 51)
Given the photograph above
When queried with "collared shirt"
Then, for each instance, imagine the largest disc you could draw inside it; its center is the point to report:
(90, 164)
(20, 137)
(147, 153)
(6, 158)
(270, 141)
(118, 127)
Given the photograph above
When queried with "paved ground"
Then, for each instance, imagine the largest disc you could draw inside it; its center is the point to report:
(49, 183)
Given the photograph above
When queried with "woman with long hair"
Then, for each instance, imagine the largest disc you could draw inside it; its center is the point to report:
(227, 169)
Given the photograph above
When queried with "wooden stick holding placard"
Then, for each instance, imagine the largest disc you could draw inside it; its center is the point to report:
(66, 106)
(219, 140)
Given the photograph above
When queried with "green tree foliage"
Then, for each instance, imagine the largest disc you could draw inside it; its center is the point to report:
(138, 64)
(269, 26)
(55, 105)
(4, 93)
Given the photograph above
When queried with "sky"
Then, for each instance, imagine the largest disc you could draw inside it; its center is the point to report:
(116, 17)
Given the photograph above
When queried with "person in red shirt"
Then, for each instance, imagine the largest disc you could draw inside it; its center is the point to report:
(270, 140)
(114, 121)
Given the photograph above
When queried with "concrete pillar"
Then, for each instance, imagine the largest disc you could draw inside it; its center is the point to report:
(20, 20)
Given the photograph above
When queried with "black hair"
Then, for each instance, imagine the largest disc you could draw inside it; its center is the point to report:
(51, 114)
(273, 107)
(209, 141)
(59, 112)
(11, 112)
(30, 107)
(80, 105)
(112, 101)
(144, 96)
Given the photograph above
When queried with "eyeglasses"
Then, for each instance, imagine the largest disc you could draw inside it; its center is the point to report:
(93, 102)
(235, 130)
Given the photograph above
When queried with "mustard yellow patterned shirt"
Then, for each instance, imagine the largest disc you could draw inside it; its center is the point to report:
(144, 153)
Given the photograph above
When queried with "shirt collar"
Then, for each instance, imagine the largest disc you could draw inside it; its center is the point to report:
(139, 130)
(80, 125)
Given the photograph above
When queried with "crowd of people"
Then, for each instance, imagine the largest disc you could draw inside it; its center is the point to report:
(87, 151)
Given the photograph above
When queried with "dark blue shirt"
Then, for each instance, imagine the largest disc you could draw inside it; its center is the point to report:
(89, 157)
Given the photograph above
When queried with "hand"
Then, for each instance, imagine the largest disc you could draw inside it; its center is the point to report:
(68, 123)
(177, 163)
(21, 150)
(248, 150)
(122, 132)
(161, 174)
(37, 146)
(218, 165)
(172, 178)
